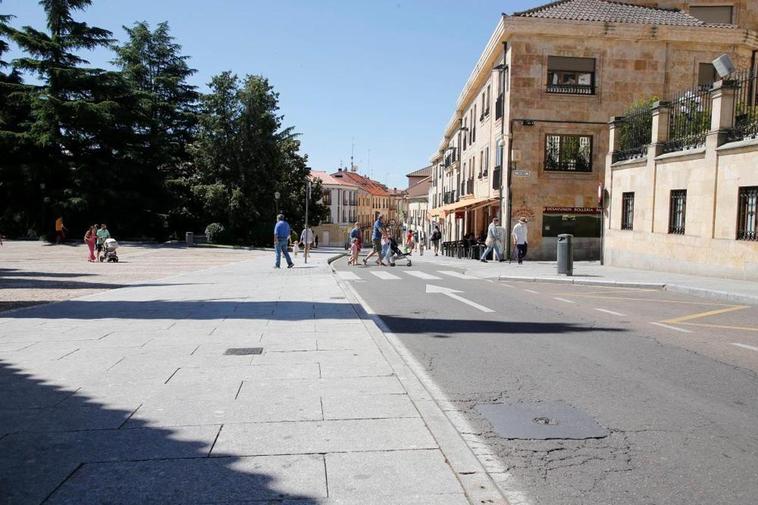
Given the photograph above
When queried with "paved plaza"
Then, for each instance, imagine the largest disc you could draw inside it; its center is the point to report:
(233, 384)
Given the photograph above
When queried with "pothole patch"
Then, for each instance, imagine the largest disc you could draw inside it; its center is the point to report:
(540, 421)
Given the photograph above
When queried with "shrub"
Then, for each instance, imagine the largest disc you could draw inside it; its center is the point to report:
(216, 233)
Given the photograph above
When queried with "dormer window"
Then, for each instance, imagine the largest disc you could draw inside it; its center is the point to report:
(714, 14)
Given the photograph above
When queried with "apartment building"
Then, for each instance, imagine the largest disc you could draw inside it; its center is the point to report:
(529, 132)
(341, 196)
(374, 199)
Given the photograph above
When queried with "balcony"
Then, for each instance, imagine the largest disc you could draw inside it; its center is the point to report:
(571, 89)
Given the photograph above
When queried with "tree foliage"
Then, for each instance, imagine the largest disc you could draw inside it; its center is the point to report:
(138, 146)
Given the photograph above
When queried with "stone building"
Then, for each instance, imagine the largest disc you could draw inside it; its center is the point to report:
(341, 196)
(529, 135)
(374, 199)
(417, 197)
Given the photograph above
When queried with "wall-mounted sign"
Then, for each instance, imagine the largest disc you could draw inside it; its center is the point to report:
(571, 210)
(521, 173)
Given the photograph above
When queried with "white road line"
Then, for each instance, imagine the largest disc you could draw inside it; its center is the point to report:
(348, 276)
(386, 276)
(563, 300)
(532, 291)
(506, 285)
(422, 275)
(430, 288)
(611, 312)
(671, 327)
(745, 346)
(457, 275)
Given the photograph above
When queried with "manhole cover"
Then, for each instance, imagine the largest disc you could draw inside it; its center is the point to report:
(242, 351)
(540, 421)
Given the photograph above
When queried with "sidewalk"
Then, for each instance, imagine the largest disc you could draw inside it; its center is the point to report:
(235, 384)
(592, 273)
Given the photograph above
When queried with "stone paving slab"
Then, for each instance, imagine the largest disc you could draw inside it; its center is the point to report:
(196, 481)
(342, 406)
(323, 437)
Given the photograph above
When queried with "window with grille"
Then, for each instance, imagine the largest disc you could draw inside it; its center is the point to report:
(627, 211)
(678, 206)
(568, 153)
(747, 222)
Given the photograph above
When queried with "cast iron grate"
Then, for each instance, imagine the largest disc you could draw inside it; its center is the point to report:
(243, 351)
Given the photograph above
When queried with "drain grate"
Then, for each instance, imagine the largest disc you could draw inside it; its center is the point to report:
(540, 421)
(243, 351)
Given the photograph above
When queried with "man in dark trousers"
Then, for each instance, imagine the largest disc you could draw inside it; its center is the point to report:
(281, 238)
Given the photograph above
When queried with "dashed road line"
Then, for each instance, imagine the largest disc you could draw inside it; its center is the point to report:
(611, 312)
(564, 300)
(348, 276)
(671, 327)
(532, 291)
(745, 346)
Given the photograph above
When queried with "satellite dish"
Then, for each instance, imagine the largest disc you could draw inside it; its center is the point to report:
(724, 66)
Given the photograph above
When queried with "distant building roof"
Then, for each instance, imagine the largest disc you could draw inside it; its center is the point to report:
(420, 189)
(369, 185)
(422, 172)
(329, 179)
(612, 12)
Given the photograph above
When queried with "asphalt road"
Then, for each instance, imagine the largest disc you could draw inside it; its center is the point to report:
(671, 379)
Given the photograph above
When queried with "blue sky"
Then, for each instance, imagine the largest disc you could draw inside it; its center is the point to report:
(382, 74)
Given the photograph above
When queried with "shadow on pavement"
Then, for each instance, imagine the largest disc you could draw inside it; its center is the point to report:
(60, 447)
(13, 272)
(442, 328)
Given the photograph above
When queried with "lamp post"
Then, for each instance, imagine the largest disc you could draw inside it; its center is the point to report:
(307, 243)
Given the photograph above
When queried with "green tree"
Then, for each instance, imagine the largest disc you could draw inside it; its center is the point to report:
(80, 120)
(166, 112)
(243, 155)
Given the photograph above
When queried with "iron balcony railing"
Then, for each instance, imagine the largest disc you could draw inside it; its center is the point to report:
(634, 134)
(571, 89)
(745, 106)
(689, 120)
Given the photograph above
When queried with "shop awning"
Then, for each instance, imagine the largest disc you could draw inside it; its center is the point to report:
(463, 203)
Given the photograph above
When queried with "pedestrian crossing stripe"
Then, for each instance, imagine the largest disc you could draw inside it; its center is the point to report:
(423, 275)
(348, 276)
(386, 276)
(457, 275)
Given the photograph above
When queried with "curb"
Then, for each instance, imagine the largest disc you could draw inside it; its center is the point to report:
(586, 282)
(335, 258)
(476, 482)
(711, 294)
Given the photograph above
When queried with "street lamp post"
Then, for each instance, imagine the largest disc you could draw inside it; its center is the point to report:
(307, 243)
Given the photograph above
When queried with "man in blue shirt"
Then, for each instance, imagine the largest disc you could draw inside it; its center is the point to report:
(376, 240)
(281, 238)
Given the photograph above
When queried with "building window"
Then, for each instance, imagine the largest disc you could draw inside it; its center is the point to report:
(571, 75)
(706, 75)
(678, 207)
(747, 222)
(627, 211)
(481, 163)
(486, 161)
(719, 15)
(568, 153)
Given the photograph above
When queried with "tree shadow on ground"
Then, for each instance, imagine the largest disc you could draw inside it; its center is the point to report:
(14, 272)
(58, 446)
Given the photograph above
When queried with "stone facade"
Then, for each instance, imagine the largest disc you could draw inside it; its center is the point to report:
(712, 177)
(628, 62)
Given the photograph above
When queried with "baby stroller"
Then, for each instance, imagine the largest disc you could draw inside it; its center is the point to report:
(397, 254)
(109, 251)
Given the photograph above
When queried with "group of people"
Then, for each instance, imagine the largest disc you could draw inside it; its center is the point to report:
(95, 238)
(494, 240)
(283, 240)
(382, 237)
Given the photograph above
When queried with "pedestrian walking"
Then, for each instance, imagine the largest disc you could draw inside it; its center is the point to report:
(306, 238)
(102, 235)
(519, 237)
(281, 237)
(376, 241)
(355, 244)
(60, 230)
(90, 238)
(436, 236)
(315, 242)
(409, 242)
(492, 242)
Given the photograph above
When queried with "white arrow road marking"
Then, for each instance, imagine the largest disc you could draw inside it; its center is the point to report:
(386, 276)
(348, 276)
(457, 275)
(430, 288)
(423, 275)
(745, 346)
